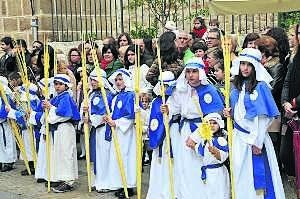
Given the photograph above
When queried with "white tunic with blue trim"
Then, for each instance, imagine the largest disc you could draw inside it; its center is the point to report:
(189, 167)
(100, 146)
(8, 152)
(64, 165)
(217, 183)
(123, 115)
(159, 173)
(253, 113)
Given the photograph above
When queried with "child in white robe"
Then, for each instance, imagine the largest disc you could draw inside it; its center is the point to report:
(99, 147)
(63, 113)
(8, 152)
(19, 114)
(255, 168)
(214, 153)
(123, 114)
(192, 90)
(159, 183)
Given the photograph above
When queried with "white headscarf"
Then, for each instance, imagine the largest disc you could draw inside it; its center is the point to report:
(127, 77)
(94, 76)
(32, 93)
(216, 117)
(4, 83)
(168, 79)
(51, 88)
(193, 63)
(254, 57)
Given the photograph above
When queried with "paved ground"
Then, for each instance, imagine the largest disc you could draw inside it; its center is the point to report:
(15, 186)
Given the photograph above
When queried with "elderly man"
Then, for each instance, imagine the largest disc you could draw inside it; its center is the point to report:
(182, 43)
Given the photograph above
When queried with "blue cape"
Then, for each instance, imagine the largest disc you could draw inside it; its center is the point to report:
(259, 102)
(123, 107)
(65, 106)
(211, 101)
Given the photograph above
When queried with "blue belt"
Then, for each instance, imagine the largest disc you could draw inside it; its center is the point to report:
(3, 134)
(192, 122)
(54, 127)
(210, 166)
(175, 119)
(238, 127)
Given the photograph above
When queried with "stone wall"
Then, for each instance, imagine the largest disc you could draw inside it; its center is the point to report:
(70, 17)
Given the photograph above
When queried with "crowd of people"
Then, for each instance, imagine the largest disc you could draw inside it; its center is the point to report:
(264, 104)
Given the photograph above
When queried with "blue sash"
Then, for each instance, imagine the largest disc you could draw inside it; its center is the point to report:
(262, 174)
(93, 145)
(210, 166)
(192, 123)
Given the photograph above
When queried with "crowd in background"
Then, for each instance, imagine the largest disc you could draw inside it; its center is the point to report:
(279, 56)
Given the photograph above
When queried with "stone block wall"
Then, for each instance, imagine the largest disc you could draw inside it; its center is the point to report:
(70, 17)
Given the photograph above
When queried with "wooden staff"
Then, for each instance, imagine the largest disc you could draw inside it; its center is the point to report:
(166, 124)
(15, 131)
(86, 114)
(139, 142)
(48, 146)
(226, 45)
(114, 137)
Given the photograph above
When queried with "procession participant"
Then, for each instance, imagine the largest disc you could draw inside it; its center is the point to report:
(253, 109)
(99, 147)
(20, 114)
(122, 119)
(63, 113)
(214, 153)
(159, 172)
(192, 91)
(8, 152)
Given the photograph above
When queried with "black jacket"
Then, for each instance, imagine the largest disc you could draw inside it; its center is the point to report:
(291, 85)
(7, 65)
(277, 72)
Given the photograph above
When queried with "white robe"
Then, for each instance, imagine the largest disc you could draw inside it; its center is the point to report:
(41, 162)
(242, 153)
(8, 152)
(63, 164)
(159, 183)
(217, 184)
(27, 144)
(125, 133)
(189, 162)
(102, 153)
